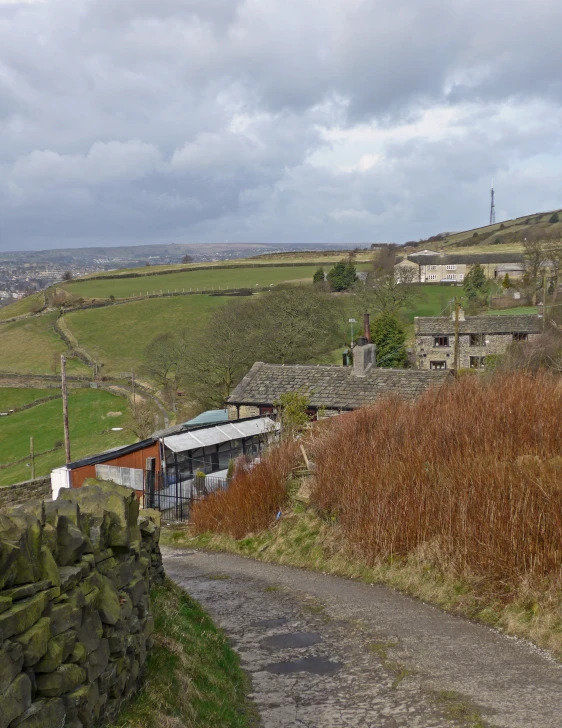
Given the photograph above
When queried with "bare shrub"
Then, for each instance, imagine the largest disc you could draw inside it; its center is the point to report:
(475, 470)
(254, 497)
(541, 352)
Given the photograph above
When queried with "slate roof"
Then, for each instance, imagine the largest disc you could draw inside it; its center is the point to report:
(525, 323)
(333, 387)
(467, 258)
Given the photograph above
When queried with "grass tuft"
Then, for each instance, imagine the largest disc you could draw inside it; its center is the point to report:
(193, 677)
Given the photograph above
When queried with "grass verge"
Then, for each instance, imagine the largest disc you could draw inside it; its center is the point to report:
(193, 676)
(301, 538)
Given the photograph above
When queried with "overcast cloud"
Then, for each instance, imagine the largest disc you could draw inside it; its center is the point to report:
(140, 121)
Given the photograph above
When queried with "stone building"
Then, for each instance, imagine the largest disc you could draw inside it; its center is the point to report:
(441, 268)
(479, 337)
(331, 389)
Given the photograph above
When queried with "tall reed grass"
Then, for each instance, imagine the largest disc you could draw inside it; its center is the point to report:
(253, 499)
(474, 469)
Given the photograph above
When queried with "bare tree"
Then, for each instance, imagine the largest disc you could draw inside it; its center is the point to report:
(216, 363)
(187, 259)
(387, 290)
(142, 425)
(286, 326)
(165, 362)
(534, 254)
(553, 251)
(294, 325)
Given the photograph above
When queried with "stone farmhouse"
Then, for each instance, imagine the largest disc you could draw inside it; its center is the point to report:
(331, 389)
(431, 267)
(479, 337)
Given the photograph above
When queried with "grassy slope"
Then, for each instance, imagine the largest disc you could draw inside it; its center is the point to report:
(119, 334)
(191, 280)
(89, 431)
(510, 237)
(29, 346)
(193, 677)
(23, 306)
(12, 397)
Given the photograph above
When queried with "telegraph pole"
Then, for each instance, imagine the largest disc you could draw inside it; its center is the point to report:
(134, 396)
(456, 352)
(65, 408)
(492, 207)
(32, 454)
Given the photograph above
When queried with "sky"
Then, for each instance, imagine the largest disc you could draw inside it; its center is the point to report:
(285, 121)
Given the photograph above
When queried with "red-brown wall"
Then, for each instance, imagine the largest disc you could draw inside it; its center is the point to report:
(136, 459)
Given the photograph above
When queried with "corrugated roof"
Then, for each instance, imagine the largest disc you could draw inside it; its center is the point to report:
(332, 387)
(221, 433)
(522, 323)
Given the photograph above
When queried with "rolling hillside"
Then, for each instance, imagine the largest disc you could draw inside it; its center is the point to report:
(189, 280)
(118, 335)
(502, 237)
(92, 414)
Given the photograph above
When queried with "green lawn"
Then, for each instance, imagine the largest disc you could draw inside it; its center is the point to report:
(90, 431)
(13, 397)
(191, 280)
(118, 335)
(30, 346)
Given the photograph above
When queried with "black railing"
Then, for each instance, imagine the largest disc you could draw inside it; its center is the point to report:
(175, 498)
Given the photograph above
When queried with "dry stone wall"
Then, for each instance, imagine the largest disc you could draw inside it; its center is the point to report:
(11, 495)
(75, 613)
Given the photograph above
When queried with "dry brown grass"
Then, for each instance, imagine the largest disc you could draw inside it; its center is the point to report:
(474, 469)
(455, 498)
(253, 498)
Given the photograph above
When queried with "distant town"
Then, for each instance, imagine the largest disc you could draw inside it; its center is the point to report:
(23, 273)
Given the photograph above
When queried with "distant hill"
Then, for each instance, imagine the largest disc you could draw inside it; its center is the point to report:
(505, 236)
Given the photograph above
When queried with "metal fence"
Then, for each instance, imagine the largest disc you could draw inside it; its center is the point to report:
(175, 498)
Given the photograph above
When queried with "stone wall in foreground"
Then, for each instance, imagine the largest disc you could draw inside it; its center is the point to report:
(75, 613)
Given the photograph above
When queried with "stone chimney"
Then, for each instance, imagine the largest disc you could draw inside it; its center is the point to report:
(461, 314)
(367, 327)
(364, 357)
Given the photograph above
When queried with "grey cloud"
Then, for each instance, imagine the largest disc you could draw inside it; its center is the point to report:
(202, 119)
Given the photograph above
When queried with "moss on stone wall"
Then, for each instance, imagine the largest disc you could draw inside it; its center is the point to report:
(75, 615)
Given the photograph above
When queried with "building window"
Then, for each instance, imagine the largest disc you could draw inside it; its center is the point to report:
(450, 277)
(477, 362)
(437, 364)
(431, 277)
(441, 341)
(451, 267)
(460, 276)
(520, 337)
(477, 339)
(432, 267)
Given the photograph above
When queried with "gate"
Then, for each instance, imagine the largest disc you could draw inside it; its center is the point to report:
(175, 498)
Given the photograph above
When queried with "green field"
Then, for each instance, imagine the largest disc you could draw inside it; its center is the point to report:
(23, 306)
(118, 335)
(192, 280)
(89, 431)
(13, 397)
(30, 346)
